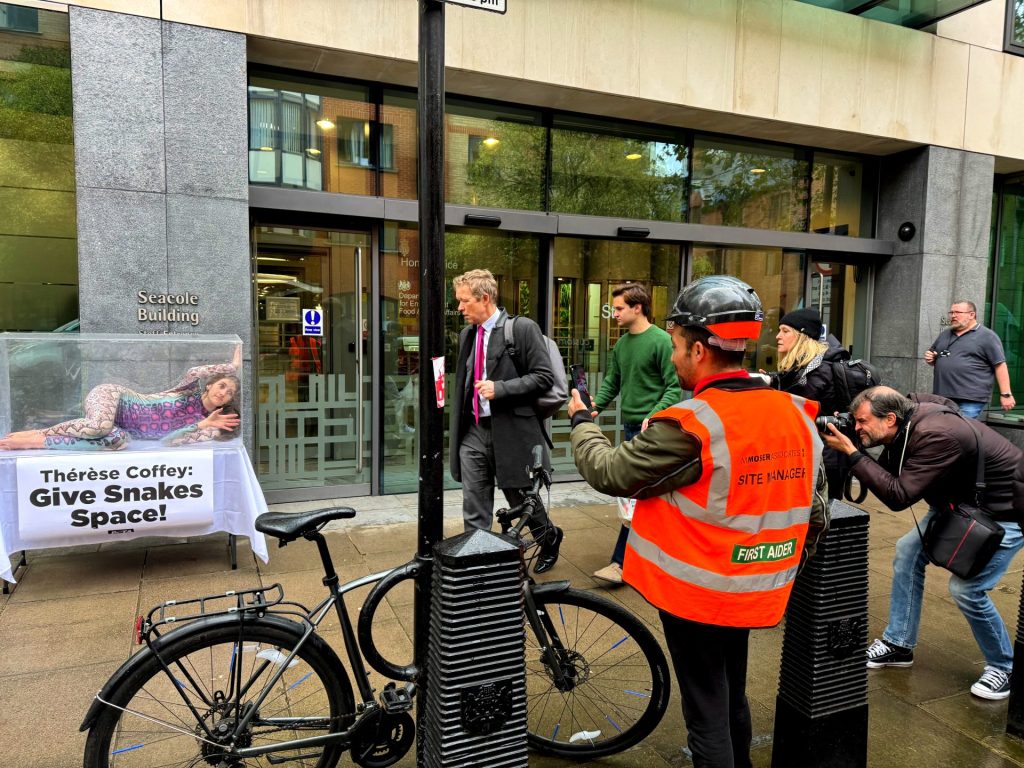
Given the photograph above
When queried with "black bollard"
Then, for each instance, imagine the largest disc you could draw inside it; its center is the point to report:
(1015, 710)
(476, 714)
(821, 712)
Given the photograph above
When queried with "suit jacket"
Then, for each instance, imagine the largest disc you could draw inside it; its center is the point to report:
(515, 428)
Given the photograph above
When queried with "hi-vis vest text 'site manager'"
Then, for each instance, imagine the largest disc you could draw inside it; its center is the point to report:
(734, 569)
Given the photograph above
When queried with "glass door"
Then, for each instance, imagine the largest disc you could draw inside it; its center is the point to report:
(585, 274)
(513, 259)
(313, 367)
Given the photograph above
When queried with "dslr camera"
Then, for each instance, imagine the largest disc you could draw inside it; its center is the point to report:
(843, 421)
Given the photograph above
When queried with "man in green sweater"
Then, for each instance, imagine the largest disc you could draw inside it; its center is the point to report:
(642, 375)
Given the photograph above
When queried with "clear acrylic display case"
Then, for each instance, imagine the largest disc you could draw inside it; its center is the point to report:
(45, 377)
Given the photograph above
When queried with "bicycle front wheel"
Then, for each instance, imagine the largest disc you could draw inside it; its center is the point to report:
(611, 685)
(181, 706)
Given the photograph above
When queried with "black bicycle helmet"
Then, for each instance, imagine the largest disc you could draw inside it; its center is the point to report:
(723, 305)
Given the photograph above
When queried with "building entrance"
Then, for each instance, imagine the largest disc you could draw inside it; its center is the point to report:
(313, 366)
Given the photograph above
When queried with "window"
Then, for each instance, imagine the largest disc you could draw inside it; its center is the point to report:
(1015, 26)
(354, 142)
(1004, 312)
(605, 169)
(18, 19)
(310, 135)
(745, 184)
(837, 196)
(387, 147)
(362, 139)
(38, 237)
(494, 156)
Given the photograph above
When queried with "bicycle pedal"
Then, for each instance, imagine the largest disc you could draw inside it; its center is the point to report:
(395, 699)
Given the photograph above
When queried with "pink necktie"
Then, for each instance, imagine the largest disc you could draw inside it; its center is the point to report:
(478, 370)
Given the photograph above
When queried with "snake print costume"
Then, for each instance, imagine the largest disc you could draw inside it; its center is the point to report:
(115, 414)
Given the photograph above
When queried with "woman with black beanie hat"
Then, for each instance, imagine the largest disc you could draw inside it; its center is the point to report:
(805, 369)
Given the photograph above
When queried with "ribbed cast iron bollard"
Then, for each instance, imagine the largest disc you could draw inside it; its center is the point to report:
(821, 712)
(1015, 710)
(476, 662)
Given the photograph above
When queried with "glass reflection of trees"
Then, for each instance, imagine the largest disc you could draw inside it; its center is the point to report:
(610, 175)
(748, 185)
(38, 257)
(495, 163)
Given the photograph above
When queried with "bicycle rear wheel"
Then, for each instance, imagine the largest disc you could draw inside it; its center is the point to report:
(221, 670)
(615, 683)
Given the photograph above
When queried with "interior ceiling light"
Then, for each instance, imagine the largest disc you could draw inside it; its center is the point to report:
(270, 277)
(491, 141)
(325, 124)
(757, 170)
(313, 150)
(266, 149)
(633, 156)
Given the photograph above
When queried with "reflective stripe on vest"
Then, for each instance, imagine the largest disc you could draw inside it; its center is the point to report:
(725, 549)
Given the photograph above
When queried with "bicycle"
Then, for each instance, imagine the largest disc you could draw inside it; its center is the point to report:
(244, 679)
(596, 678)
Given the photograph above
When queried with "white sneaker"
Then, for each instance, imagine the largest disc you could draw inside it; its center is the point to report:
(612, 573)
(994, 684)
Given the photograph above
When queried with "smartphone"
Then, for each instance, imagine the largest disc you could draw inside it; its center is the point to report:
(579, 383)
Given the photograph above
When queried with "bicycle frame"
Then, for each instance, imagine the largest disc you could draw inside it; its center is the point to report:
(367, 707)
(547, 636)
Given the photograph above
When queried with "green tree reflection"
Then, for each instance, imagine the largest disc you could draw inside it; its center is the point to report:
(35, 96)
(749, 189)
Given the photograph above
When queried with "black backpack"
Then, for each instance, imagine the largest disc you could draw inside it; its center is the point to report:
(850, 378)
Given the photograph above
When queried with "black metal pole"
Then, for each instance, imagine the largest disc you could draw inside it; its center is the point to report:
(1015, 708)
(430, 190)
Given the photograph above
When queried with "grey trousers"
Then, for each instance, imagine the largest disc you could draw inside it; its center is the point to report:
(476, 457)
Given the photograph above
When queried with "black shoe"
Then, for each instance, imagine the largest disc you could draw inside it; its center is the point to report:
(549, 553)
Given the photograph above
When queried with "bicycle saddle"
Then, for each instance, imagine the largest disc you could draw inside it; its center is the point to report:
(288, 526)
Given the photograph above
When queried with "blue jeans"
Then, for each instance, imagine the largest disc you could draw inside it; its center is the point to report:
(629, 431)
(970, 596)
(970, 409)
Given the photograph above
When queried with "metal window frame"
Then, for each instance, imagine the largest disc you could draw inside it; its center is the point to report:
(1010, 45)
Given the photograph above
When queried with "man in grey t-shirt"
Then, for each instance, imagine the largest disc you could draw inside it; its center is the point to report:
(967, 356)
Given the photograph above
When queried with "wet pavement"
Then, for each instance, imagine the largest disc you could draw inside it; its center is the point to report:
(68, 624)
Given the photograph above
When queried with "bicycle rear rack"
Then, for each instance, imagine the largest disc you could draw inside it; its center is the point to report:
(257, 601)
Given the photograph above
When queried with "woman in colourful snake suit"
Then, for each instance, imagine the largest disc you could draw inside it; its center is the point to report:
(190, 412)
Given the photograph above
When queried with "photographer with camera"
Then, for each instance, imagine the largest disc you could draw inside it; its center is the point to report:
(930, 452)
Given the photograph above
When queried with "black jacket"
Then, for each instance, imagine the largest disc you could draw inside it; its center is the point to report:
(815, 381)
(515, 428)
(939, 463)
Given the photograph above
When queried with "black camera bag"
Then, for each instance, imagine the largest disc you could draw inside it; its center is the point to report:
(962, 537)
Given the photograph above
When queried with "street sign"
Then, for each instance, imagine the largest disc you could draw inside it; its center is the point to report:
(498, 6)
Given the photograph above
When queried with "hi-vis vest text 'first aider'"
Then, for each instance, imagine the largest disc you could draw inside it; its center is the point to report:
(725, 549)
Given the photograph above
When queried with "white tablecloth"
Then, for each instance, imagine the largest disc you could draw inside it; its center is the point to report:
(238, 500)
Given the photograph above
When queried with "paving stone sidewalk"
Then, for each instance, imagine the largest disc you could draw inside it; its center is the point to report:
(68, 624)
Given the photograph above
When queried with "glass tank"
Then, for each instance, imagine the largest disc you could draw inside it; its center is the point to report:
(106, 392)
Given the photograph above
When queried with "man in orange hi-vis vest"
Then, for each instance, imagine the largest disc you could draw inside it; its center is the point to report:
(726, 482)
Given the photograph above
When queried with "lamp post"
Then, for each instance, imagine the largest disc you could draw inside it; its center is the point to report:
(430, 183)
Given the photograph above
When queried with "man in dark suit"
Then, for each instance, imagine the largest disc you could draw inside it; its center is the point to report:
(493, 405)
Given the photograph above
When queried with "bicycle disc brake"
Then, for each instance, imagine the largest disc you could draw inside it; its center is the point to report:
(385, 743)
